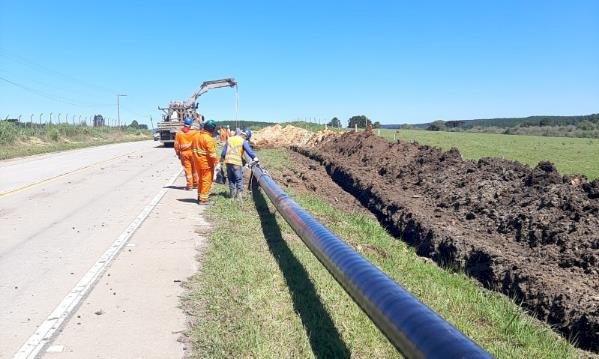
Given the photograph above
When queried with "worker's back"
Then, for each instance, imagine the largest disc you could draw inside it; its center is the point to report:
(183, 140)
(204, 151)
(234, 152)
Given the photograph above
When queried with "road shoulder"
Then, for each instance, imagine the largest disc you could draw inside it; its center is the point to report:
(133, 311)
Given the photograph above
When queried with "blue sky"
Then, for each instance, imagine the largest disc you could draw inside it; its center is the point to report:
(394, 61)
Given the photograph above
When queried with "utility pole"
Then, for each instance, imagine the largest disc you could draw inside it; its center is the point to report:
(152, 123)
(118, 110)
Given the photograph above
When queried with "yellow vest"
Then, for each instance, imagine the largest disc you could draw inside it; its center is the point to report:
(234, 150)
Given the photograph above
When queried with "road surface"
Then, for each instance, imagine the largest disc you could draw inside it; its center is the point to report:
(63, 217)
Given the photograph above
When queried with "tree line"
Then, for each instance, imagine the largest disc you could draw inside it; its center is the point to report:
(361, 121)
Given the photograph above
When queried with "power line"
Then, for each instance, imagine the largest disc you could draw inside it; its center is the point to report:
(53, 97)
(32, 65)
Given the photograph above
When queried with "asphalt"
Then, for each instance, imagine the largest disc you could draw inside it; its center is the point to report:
(59, 214)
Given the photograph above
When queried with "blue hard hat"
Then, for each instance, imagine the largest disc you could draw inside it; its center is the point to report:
(248, 133)
(187, 122)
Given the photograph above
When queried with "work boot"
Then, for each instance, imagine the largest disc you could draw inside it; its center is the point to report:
(203, 203)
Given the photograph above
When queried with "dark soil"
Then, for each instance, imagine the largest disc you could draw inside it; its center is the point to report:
(529, 233)
(309, 176)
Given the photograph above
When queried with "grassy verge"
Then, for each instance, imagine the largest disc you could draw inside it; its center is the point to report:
(17, 141)
(261, 293)
(570, 155)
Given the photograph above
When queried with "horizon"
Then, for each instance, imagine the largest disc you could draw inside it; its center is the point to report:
(393, 62)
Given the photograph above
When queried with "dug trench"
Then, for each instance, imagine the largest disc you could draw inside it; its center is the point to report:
(529, 233)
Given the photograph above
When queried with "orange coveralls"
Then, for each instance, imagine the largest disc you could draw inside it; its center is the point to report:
(204, 157)
(223, 134)
(183, 149)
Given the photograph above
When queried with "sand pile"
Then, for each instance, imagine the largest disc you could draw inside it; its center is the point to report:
(279, 136)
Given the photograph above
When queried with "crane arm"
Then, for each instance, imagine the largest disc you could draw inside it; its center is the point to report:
(208, 85)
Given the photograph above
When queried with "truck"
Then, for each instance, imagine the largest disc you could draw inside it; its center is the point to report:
(175, 113)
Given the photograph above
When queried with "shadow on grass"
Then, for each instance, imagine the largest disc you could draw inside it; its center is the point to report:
(324, 337)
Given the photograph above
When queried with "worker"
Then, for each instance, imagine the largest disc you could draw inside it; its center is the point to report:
(223, 134)
(183, 139)
(232, 155)
(204, 156)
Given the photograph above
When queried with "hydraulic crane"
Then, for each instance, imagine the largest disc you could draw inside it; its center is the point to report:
(175, 113)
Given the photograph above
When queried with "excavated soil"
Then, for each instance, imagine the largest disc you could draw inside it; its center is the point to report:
(308, 176)
(278, 136)
(527, 232)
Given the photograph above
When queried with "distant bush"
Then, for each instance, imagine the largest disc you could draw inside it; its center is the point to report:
(437, 126)
(53, 134)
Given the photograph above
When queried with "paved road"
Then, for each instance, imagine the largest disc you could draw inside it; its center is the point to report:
(59, 214)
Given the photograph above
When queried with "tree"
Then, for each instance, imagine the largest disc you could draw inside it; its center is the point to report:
(134, 124)
(361, 121)
(334, 122)
(454, 124)
(438, 125)
(377, 124)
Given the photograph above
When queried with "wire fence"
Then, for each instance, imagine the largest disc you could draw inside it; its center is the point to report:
(46, 119)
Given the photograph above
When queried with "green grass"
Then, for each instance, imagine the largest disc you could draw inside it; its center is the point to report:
(18, 140)
(570, 155)
(261, 293)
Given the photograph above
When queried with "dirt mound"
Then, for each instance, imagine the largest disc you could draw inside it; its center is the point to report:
(278, 136)
(527, 232)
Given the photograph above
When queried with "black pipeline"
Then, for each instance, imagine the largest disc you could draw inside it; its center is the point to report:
(414, 329)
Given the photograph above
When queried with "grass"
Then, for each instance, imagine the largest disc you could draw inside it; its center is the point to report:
(261, 292)
(570, 155)
(17, 140)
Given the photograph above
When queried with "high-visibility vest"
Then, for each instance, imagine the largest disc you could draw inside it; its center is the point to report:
(234, 151)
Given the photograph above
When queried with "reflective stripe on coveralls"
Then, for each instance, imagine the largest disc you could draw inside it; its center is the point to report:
(204, 156)
(234, 150)
(183, 149)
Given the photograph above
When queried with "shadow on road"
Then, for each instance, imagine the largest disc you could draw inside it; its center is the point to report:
(188, 200)
(175, 187)
(324, 337)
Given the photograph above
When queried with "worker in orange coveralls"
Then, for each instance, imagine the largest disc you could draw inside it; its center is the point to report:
(204, 157)
(223, 135)
(182, 146)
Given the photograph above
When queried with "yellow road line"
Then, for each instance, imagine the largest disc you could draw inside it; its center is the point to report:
(61, 175)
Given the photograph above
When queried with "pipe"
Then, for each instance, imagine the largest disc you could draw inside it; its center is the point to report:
(414, 329)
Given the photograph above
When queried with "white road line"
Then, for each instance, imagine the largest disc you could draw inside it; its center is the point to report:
(48, 328)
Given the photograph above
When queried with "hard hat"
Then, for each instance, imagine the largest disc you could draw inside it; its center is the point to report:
(247, 133)
(187, 122)
(210, 125)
